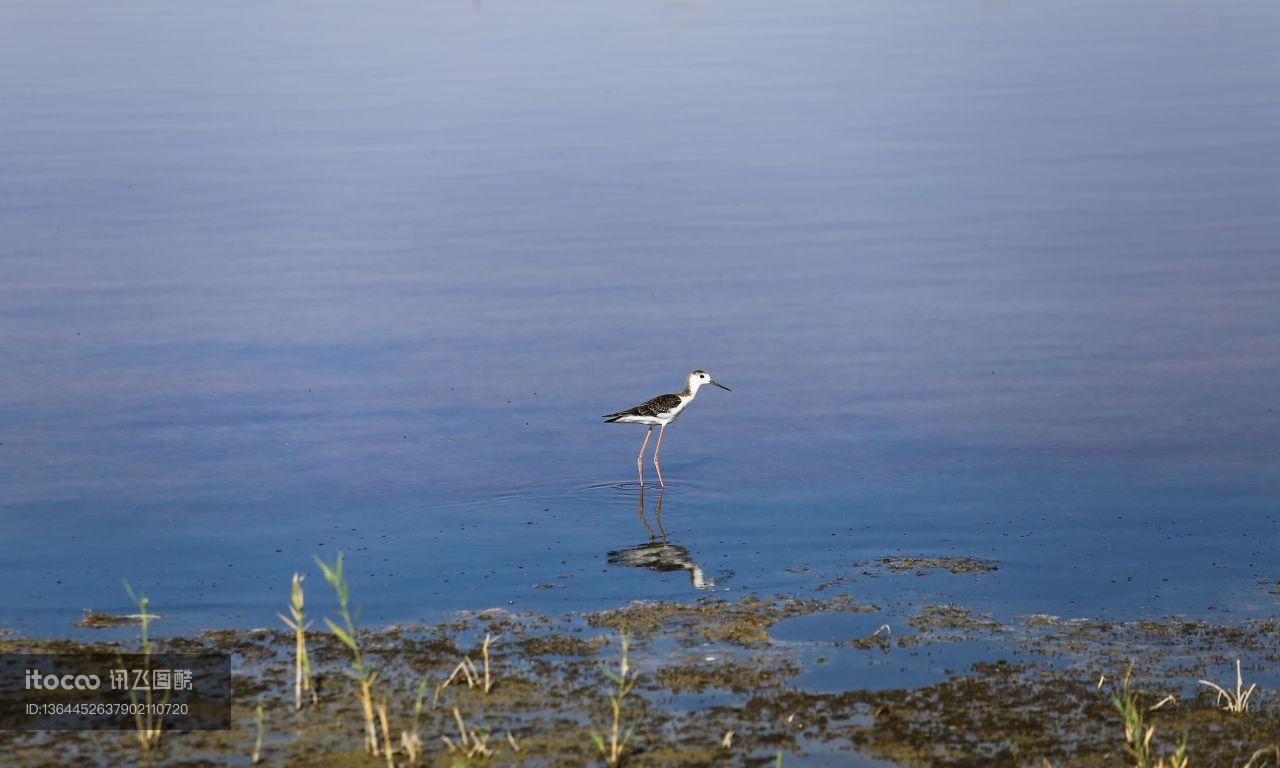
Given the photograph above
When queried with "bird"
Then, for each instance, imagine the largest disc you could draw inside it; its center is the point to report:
(659, 412)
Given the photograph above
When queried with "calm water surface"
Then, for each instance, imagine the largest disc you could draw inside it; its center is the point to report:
(989, 279)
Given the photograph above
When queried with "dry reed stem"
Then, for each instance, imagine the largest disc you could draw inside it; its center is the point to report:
(1166, 700)
(366, 702)
(469, 673)
(1238, 700)
(260, 718)
(302, 680)
(484, 650)
(412, 746)
(625, 680)
(883, 628)
(470, 742)
(1264, 752)
(386, 734)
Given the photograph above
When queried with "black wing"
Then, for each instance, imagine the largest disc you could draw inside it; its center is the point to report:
(655, 407)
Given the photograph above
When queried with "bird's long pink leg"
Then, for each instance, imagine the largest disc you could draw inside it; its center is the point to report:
(640, 512)
(657, 515)
(639, 459)
(657, 448)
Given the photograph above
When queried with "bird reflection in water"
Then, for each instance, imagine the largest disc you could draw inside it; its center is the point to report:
(659, 554)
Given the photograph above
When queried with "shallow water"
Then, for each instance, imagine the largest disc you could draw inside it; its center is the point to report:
(987, 279)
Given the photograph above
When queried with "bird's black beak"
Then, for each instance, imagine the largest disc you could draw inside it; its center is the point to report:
(718, 384)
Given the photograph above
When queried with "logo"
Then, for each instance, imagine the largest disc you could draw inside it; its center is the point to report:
(35, 680)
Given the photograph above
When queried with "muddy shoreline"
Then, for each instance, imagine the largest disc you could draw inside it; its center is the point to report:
(1039, 691)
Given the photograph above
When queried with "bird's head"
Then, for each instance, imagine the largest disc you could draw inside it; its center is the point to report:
(699, 377)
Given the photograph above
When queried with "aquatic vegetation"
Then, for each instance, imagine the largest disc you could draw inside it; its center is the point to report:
(484, 650)
(993, 713)
(259, 719)
(359, 669)
(387, 749)
(1262, 757)
(102, 620)
(147, 724)
(1137, 734)
(742, 622)
(467, 668)
(624, 681)
(921, 565)
(302, 678)
(1237, 700)
(878, 639)
(471, 743)
(410, 740)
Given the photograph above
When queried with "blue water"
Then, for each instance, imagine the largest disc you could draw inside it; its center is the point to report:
(989, 279)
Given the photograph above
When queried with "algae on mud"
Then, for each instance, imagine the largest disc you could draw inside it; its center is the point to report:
(710, 667)
(921, 565)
